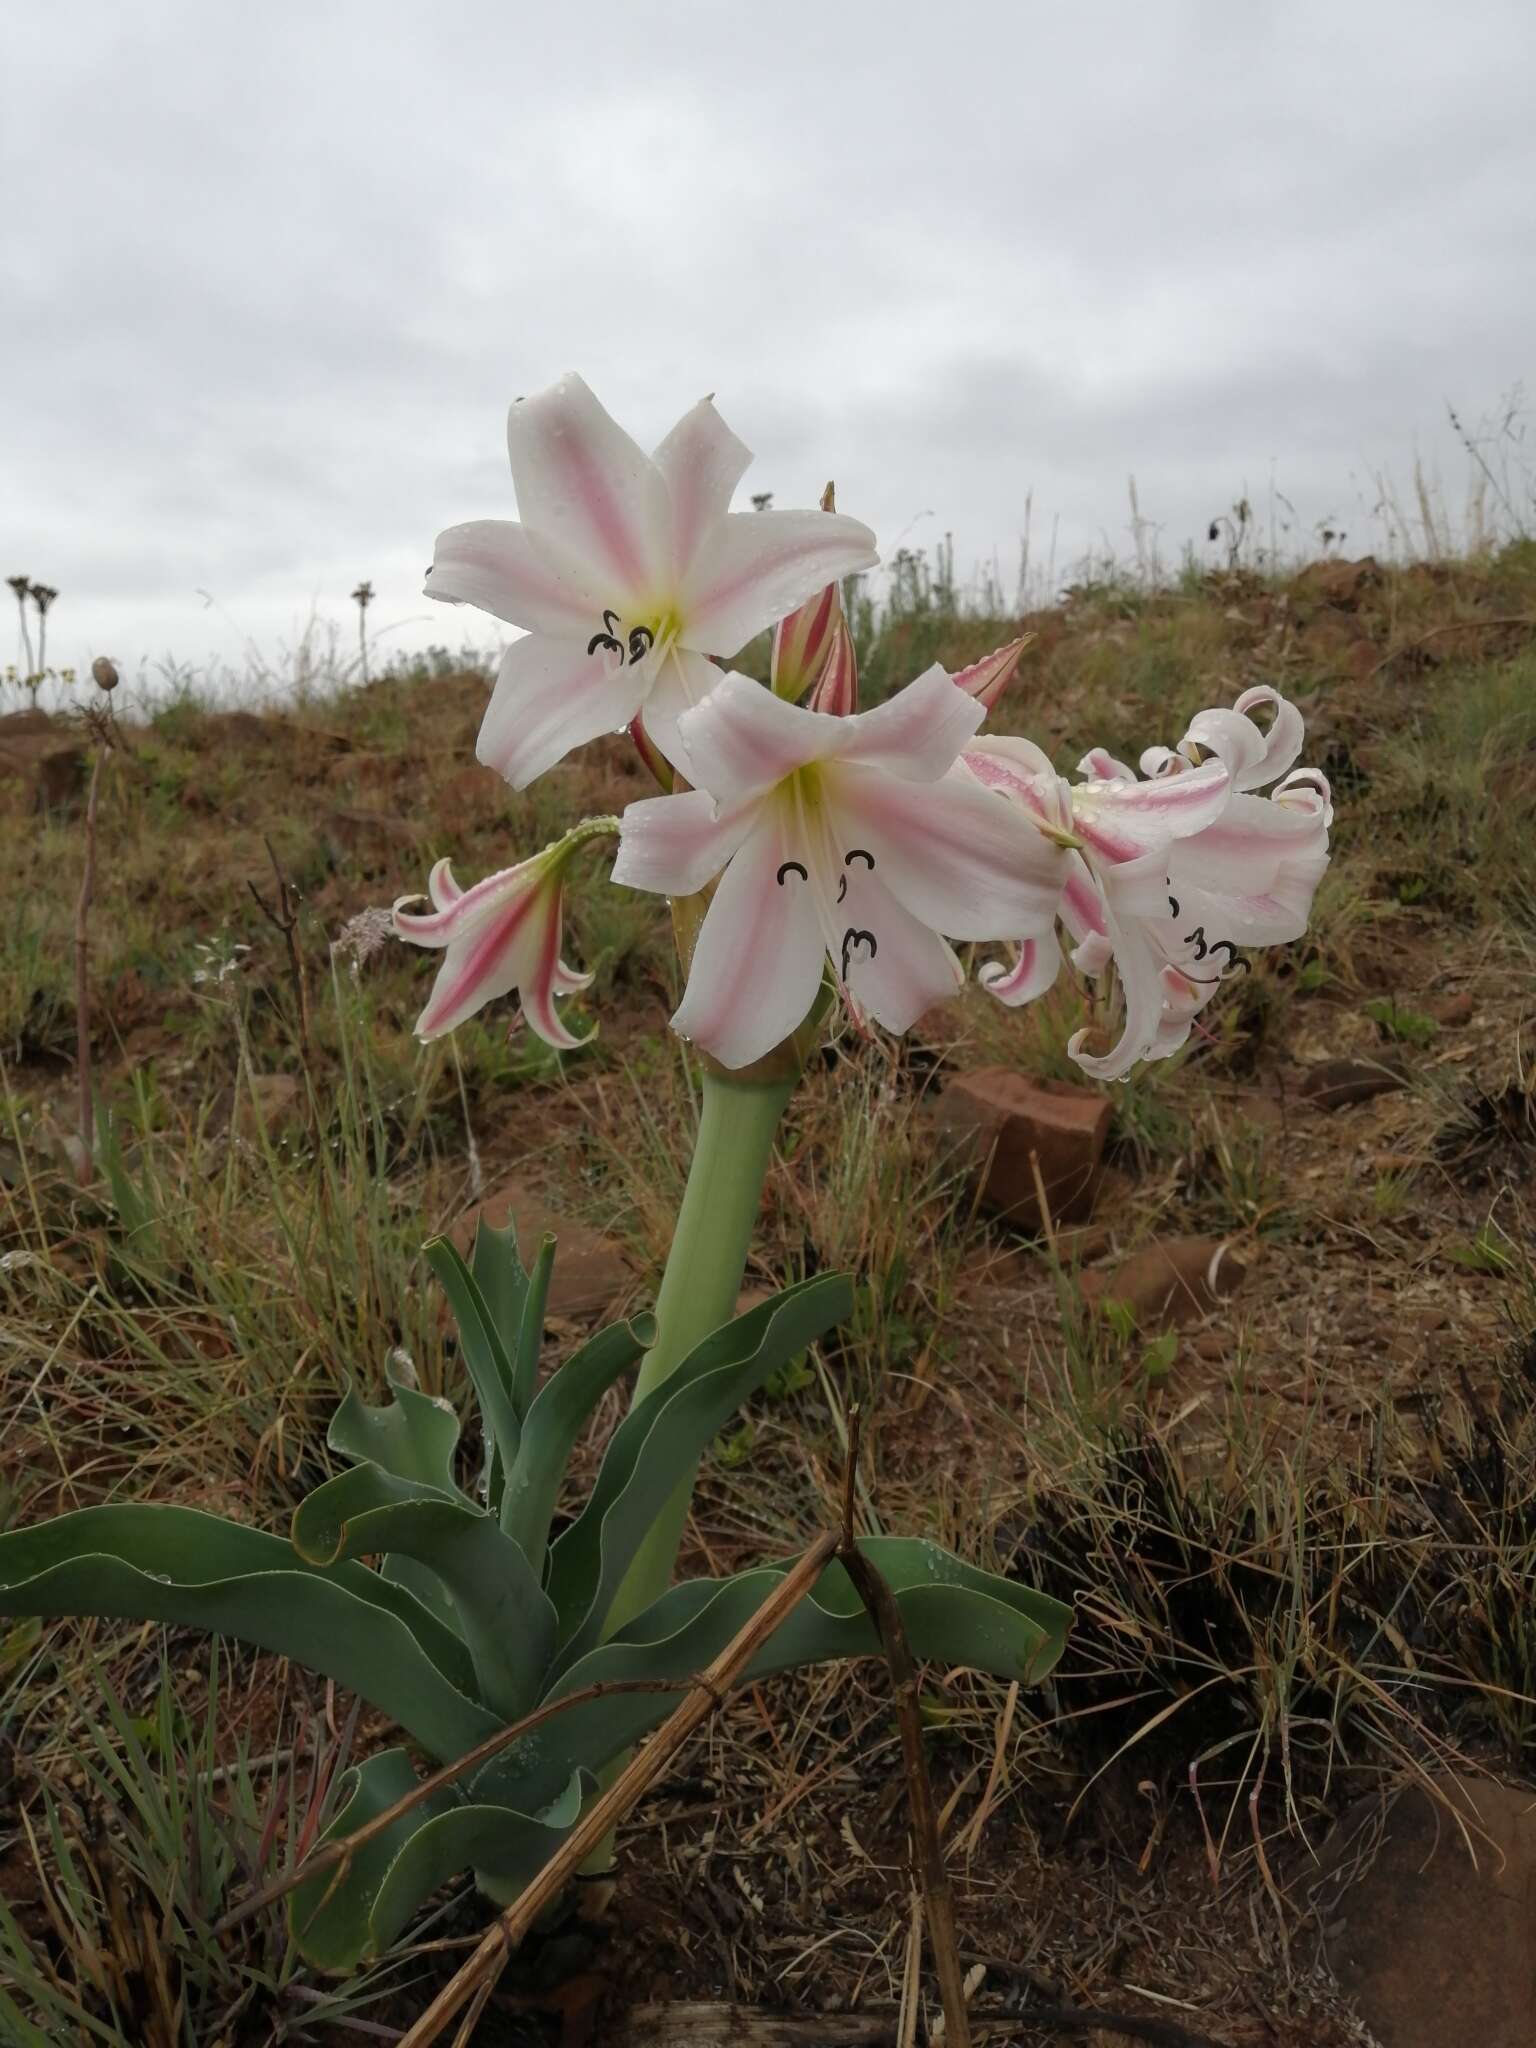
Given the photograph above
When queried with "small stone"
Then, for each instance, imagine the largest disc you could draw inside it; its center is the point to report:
(1452, 1011)
(590, 1271)
(1340, 1083)
(1429, 1914)
(1004, 1126)
(1167, 1284)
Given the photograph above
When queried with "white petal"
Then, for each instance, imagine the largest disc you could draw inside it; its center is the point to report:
(1237, 740)
(1101, 766)
(963, 860)
(1127, 890)
(893, 965)
(682, 679)
(585, 485)
(1034, 971)
(1122, 820)
(675, 844)
(755, 567)
(501, 568)
(919, 732)
(550, 696)
(703, 462)
(742, 740)
(757, 964)
(1247, 844)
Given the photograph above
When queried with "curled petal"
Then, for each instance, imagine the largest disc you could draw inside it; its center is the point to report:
(1034, 971)
(506, 570)
(964, 863)
(1235, 739)
(1099, 765)
(918, 733)
(1248, 844)
(551, 696)
(702, 462)
(585, 485)
(757, 964)
(1130, 894)
(986, 680)
(676, 844)
(1122, 820)
(1282, 743)
(753, 567)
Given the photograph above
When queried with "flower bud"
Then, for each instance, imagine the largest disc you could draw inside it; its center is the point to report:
(986, 680)
(837, 687)
(104, 673)
(803, 642)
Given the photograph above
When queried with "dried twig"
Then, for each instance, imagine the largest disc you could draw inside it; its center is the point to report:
(928, 1850)
(707, 1692)
(82, 968)
(342, 1851)
(284, 919)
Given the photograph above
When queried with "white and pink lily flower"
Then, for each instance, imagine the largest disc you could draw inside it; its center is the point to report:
(627, 571)
(501, 936)
(1173, 874)
(844, 838)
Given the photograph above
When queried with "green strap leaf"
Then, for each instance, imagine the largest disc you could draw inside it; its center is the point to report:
(508, 1623)
(557, 1417)
(486, 1357)
(530, 1330)
(177, 1565)
(656, 1447)
(499, 1275)
(339, 1921)
(955, 1614)
(413, 1437)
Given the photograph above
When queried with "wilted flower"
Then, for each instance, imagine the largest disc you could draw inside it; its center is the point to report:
(843, 838)
(628, 571)
(104, 673)
(501, 935)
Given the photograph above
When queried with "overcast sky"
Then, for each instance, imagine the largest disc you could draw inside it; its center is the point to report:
(270, 275)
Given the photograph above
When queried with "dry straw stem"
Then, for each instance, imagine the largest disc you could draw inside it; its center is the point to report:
(707, 1693)
(82, 969)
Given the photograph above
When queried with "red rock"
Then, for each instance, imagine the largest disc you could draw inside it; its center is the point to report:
(42, 759)
(1174, 1282)
(590, 1272)
(1429, 1914)
(1340, 583)
(1003, 1125)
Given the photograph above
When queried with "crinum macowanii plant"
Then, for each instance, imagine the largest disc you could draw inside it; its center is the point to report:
(814, 855)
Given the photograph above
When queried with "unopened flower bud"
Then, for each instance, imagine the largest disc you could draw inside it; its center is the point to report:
(803, 642)
(837, 688)
(104, 673)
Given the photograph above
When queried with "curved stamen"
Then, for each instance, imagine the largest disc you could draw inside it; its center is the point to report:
(859, 853)
(791, 867)
(852, 938)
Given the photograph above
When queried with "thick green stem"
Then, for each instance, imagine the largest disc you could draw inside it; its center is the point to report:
(703, 1278)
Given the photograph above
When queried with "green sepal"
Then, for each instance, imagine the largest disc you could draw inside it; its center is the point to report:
(655, 1448)
(508, 1623)
(170, 1564)
(556, 1418)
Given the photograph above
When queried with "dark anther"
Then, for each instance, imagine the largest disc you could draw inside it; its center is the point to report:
(1196, 938)
(791, 867)
(641, 640)
(852, 938)
(858, 853)
(606, 639)
(1173, 905)
(842, 887)
(1226, 946)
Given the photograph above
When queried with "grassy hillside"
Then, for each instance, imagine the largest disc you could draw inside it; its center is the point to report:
(1297, 1531)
